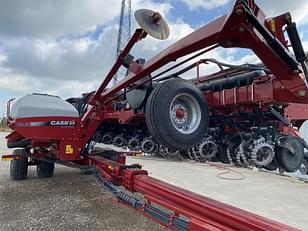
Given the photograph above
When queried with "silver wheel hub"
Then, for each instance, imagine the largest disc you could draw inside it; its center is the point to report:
(185, 113)
(179, 114)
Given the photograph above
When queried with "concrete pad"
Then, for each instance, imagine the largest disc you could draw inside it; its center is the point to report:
(281, 198)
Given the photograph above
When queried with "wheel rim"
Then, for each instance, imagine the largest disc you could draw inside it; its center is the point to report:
(148, 146)
(185, 113)
(208, 149)
(265, 155)
(133, 144)
(163, 151)
(118, 141)
(107, 139)
(303, 168)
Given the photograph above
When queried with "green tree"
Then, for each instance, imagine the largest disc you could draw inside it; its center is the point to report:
(3, 123)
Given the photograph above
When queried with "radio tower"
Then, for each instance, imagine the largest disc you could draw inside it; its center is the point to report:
(124, 28)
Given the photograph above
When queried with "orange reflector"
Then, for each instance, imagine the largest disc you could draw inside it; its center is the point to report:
(10, 157)
(110, 167)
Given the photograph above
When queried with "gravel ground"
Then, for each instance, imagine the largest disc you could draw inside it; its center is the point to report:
(67, 201)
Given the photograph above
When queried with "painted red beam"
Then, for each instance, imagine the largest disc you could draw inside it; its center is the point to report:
(194, 211)
(203, 213)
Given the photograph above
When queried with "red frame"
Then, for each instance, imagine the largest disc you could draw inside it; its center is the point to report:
(232, 30)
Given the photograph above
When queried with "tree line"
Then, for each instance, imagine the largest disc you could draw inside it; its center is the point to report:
(3, 124)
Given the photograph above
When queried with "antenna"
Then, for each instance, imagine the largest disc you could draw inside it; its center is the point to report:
(124, 33)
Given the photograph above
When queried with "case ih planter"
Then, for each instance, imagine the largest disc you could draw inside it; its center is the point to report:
(245, 113)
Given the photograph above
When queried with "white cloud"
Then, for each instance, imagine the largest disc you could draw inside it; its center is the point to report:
(44, 59)
(2, 57)
(63, 59)
(17, 83)
(67, 67)
(298, 8)
(150, 46)
(23, 84)
(205, 4)
(305, 45)
(162, 7)
(51, 18)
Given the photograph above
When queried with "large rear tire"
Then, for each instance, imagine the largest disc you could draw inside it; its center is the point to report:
(45, 169)
(19, 168)
(177, 114)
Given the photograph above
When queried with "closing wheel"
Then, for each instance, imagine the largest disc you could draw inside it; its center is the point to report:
(222, 154)
(148, 145)
(290, 153)
(208, 149)
(19, 168)
(134, 144)
(177, 114)
(45, 169)
(271, 166)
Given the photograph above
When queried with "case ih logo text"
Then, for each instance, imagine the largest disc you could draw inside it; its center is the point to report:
(62, 123)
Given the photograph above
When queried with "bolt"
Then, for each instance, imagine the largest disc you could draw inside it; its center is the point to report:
(241, 29)
(239, 11)
(295, 72)
(302, 93)
(156, 18)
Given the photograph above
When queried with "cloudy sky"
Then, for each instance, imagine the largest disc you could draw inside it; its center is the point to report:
(65, 47)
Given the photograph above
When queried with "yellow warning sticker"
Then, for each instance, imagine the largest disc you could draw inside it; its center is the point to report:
(69, 149)
(273, 25)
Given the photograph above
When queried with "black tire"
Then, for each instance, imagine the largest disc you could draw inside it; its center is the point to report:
(303, 168)
(287, 160)
(19, 168)
(159, 114)
(222, 154)
(271, 166)
(45, 169)
(184, 154)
